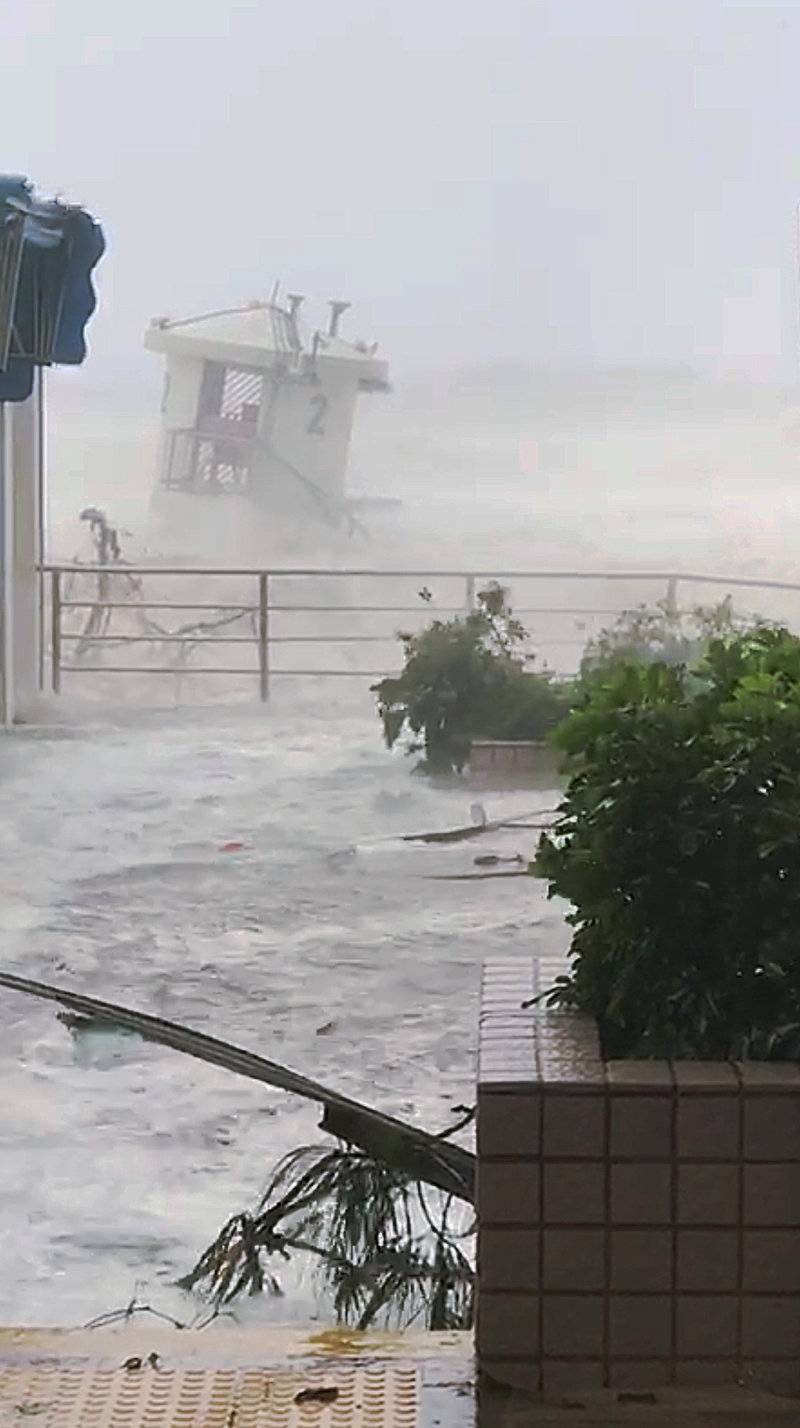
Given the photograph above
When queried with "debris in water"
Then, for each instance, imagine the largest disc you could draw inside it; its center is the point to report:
(341, 857)
(491, 860)
(317, 1395)
(477, 877)
(449, 835)
(78, 1023)
(326, 1028)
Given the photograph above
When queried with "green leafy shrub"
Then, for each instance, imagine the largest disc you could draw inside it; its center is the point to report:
(661, 634)
(679, 848)
(466, 679)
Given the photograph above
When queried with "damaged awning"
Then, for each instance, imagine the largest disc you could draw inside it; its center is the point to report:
(48, 251)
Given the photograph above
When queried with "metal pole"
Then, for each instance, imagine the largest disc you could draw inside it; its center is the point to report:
(469, 602)
(7, 566)
(263, 634)
(55, 631)
(41, 512)
(4, 612)
(672, 595)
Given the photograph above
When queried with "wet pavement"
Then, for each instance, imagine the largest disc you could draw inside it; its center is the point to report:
(223, 1377)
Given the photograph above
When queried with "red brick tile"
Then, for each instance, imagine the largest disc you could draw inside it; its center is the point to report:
(573, 1193)
(508, 1192)
(570, 1376)
(779, 1377)
(508, 1373)
(707, 1260)
(641, 1326)
(507, 1325)
(708, 1127)
(772, 1260)
(640, 1194)
(508, 1124)
(705, 1077)
(763, 1077)
(574, 1126)
(641, 1127)
(573, 1325)
(639, 1075)
(574, 1260)
(508, 1259)
(639, 1374)
(772, 1194)
(641, 1260)
(706, 1373)
(770, 1326)
(772, 1127)
(706, 1326)
(708, 1194)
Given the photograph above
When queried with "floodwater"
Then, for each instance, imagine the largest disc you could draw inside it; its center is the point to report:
(316, 945)
(323, 942)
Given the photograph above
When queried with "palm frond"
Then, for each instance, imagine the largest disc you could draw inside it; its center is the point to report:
(387, 1250)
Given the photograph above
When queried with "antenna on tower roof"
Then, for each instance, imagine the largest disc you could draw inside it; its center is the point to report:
(337, 308)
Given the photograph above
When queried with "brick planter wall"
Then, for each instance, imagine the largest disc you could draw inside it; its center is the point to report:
(638, 1222)
(513, 763)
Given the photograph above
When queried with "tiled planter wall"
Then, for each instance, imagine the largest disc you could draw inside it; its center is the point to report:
(512, 764)
(639, 1222)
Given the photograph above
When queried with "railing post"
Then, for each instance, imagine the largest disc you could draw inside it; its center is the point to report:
(41, 508)
(263, 634)
(469, 599)
(55, 631)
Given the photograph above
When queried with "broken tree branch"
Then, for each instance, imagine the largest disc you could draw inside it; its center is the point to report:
(412, 1151)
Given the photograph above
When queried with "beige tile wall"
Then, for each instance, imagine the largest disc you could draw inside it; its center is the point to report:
(639, 1222)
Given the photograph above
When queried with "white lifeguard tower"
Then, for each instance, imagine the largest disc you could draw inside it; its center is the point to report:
(256, 421)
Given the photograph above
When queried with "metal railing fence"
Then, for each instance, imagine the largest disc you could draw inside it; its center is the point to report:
(264, 614)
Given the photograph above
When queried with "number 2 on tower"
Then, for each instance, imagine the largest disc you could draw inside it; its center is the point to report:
(319, 406)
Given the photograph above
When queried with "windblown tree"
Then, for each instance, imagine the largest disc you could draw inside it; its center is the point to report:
(464, 679)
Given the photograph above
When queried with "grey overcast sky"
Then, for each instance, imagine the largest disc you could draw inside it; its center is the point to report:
(546, 180)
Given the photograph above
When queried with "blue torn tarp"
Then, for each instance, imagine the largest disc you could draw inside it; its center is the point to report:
(48, 252)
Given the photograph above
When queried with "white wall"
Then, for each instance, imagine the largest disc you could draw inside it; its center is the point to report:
(19, 585)
(185, 375)
(26, 517)
(309, 426)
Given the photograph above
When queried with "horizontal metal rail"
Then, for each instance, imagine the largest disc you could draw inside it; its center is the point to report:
(152, 669)
(278, 572)
(156, 639)
(199, 669)
(434, 609)
(97, 627)
(155, 605)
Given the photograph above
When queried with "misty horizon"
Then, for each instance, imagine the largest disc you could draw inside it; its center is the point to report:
(546, 183)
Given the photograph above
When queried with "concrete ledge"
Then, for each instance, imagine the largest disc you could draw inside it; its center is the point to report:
(638, 1222)
(517, 763)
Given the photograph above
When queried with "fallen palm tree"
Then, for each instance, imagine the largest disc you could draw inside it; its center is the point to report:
(361, 1208)
(382, 1250)
(416, 1152)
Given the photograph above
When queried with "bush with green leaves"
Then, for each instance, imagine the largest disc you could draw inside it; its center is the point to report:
(661, 634)
(466, 679)
(678, 846)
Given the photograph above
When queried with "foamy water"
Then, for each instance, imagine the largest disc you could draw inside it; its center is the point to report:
(119, 1161)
